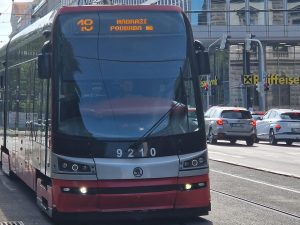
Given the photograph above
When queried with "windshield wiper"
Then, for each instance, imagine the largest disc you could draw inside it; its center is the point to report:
(160, 121)
(157, 124)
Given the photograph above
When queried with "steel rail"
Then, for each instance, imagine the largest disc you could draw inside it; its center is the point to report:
(256, 204)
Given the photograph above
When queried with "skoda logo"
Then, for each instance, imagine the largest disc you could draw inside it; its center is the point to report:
(137, 172)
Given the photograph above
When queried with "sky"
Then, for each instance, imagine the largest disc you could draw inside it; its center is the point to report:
(5, 10)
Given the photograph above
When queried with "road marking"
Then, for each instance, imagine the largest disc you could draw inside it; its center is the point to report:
(7, 185)
(219, 153)
(256, 181)
(12, 223)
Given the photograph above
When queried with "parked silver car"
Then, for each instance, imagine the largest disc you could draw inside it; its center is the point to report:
(279, 125)
(229, 123)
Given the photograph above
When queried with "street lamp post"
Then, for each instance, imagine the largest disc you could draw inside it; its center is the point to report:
(223, 40)
(262, 76)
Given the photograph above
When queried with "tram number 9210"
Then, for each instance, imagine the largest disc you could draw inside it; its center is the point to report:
(136, 153)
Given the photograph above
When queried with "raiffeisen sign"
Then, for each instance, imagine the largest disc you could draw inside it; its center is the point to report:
(271, 79)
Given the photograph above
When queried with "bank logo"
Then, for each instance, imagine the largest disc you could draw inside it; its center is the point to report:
(271, 79)
(137, 172)
(248, 79)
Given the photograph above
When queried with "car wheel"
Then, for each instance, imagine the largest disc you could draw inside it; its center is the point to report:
(250, 142)
(289, 142)
(211, 137)
(256, 140)
(272, 138)
(232, 141)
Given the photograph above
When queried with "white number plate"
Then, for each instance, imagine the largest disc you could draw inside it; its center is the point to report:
(296, 130)
(135, 153)
(236, 125)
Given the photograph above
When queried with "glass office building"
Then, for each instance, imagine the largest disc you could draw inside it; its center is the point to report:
(275, 23)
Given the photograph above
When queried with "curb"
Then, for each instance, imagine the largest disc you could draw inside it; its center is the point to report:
(259, 169)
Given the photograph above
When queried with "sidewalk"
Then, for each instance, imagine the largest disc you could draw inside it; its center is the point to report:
(285, 161)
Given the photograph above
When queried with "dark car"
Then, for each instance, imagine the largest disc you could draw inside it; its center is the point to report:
(230, 123)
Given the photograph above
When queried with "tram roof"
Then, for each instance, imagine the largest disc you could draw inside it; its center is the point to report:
(33, 29)
(92, 8)
(45, 22)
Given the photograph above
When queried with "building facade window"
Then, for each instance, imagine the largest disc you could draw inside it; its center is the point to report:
(275, 12)
(293, 7)
(257, 13)
(201, 17)
(237, 12)
(218, 12)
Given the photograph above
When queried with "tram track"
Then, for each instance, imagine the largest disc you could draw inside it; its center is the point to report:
(256, 204)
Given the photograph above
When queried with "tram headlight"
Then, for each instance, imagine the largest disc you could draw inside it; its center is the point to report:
(79, 190)
(74, 167)
(194, 163)
(188, 186)
(83, 190)
(64, 165)
(192, 186)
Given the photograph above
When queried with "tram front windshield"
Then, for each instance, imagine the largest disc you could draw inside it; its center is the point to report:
(124, 75)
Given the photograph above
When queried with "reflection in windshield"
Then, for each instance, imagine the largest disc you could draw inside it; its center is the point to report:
(124, 104)
(107, 91)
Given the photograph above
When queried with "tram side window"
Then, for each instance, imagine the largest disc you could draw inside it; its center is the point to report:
(12, 93)
(27, 99)
(25, 106)
(184, 93)
(190, 98)
(40, 106)
(1, 100)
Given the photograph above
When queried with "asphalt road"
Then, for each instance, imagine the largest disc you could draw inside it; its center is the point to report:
(240, 194)
(245, 196)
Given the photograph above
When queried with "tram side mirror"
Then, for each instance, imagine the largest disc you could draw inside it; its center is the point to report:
(1, 81)
(44, 66)
(203, 65)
